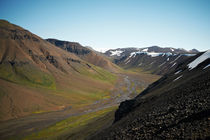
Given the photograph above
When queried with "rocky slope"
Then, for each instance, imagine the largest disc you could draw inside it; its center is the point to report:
(86, 54)
(177, 106)
(121, 52)
(154, 59)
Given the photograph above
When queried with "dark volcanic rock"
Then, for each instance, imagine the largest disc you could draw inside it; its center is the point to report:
(124, 108)
(168, 108)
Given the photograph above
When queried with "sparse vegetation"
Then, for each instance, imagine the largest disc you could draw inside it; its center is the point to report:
(56, 84)
(74, 126)
(27, 75)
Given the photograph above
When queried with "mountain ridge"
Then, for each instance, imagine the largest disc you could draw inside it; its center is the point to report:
(153, 59)
(85, 53)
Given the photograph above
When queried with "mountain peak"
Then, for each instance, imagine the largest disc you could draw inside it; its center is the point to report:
(7, 25)
(194, 51)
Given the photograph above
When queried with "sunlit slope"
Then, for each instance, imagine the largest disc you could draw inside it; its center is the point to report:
(86, 54)
(36, 76)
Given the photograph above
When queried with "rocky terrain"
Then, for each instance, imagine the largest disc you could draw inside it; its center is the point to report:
(175, 107)
(86, 54)
(153, 59)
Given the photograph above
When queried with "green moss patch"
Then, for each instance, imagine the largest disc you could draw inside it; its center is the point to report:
(27, 75)
(76, 127)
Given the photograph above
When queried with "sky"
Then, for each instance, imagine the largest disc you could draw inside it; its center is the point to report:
(109, 24)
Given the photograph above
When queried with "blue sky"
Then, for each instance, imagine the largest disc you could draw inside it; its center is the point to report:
(105, 24)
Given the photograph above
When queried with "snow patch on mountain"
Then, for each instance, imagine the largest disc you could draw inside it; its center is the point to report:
(177, 78)
(173, 65)
(178, 72)
(116, 52)
(139, 64)
(154, 54)
(175, 59)
(167, 54)
(132, 54)
(151, 63)
(199, 60)
(127, 61)
(206, 66)
(162, 64)
(145, 50)
(188, 54)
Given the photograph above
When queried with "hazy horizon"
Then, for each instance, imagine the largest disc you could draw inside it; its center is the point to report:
(109, 24)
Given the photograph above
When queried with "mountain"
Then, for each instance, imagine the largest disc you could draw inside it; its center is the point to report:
(153, 59)
(121, 52)
(177, 106)
(85, 53)
(194, 51)
(48, 78)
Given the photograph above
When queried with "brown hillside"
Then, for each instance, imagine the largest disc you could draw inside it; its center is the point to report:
(85, 54)
(36, 76)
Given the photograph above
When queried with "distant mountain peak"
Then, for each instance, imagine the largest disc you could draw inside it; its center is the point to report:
(194, 51)
(121, 52)
(155, 59)
(7, 25)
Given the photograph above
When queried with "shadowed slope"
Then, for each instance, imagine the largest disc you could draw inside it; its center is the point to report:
(174, 107)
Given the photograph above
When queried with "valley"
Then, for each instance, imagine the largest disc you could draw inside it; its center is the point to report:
(53, 89)
(127, 86)
(105, 70)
